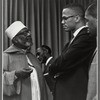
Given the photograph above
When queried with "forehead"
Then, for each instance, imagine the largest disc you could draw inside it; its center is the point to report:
(39, 50)
(24, 31)
(67, 12)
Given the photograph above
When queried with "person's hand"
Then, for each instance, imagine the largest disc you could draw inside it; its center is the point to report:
(24, 73)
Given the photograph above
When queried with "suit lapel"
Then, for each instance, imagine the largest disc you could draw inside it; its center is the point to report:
(48, 65)
(83, 31)
(65, 47)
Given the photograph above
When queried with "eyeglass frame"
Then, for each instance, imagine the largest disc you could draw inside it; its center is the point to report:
(66, 18)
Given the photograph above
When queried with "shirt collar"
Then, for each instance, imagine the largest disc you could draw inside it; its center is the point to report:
(78, 30)
(48, 60)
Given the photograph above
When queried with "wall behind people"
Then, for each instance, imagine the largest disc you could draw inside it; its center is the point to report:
(43, 17)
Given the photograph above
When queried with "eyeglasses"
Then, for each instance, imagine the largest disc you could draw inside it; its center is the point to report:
(25, 33)
(66, 18)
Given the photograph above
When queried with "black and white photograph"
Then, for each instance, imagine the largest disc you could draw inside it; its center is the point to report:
(49, 50)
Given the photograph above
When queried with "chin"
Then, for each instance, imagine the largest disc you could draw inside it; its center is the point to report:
(66, 30)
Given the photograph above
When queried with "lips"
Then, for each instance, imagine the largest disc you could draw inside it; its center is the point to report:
(29, 39)
(65, 27)
(88, 30)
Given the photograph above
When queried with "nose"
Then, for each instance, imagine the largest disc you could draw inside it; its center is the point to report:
(28, 34)
(37, 56)
(62, 21)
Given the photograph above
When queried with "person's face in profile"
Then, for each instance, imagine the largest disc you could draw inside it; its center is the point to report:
(91, 22)
(23, 39)
(68, 19)
(40, 54)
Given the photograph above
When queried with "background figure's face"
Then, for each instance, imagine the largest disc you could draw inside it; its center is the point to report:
(24, 40)
(68, 20)
(40, 54)
(91, 23)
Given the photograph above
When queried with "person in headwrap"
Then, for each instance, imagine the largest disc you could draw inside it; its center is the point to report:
(22, 74)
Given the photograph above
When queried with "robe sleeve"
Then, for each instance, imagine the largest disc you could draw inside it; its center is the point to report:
(9, 77)
(11, 85)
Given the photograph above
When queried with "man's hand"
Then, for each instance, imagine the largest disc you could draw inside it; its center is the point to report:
(24, 73)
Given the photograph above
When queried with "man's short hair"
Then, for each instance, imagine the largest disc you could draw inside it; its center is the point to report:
(92, 10)
(47, 48)
(77, 8)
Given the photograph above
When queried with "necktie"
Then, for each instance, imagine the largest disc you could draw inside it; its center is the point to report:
(71, 40)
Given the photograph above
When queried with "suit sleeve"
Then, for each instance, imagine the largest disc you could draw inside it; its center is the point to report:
(74, 55)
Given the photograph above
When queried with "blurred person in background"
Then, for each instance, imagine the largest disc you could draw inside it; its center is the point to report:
(91, 18)
(44, 54)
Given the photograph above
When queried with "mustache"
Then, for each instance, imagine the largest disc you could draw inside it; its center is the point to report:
(28, 38)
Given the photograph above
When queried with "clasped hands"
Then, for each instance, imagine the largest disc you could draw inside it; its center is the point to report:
(23, 73)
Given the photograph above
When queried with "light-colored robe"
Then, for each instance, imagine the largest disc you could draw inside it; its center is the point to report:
(15, 59)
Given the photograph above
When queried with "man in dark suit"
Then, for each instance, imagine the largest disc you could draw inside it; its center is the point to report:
(45, 57)
(71, 68)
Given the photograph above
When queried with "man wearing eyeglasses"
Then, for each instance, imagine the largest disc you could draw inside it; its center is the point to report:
(70, 69)
(22, 74)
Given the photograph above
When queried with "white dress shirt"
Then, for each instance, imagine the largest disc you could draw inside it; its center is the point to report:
(48, 60)
(76, 32)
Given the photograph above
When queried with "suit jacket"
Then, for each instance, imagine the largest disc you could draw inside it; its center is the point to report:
(15, 59)
(46, 70)
(49, 79)
(71, 68)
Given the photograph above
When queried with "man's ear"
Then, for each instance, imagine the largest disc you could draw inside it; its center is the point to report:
(14, 40)
(45, 51)
(77, 18)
